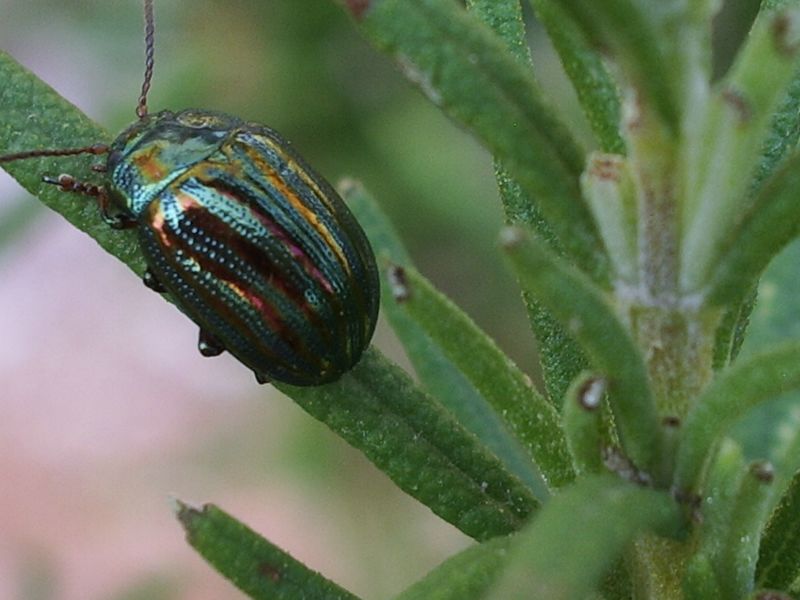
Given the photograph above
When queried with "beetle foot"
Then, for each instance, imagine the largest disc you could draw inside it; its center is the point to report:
(151, 282)
(208, 345)
(261, 378)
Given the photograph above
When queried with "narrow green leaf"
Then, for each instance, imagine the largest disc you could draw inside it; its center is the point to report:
(784, 131)
(739, 549)
(465, 576)
(597, 92)
(730, 333)
(610, 190)
(728, 142)
(258, 568)
(581, 307)
(33, 116)
(727, 399)
(772, 223)
(630, 28)
(582, 422)
(713, 513)
(504, 17)
(410, 437)
(774, 319)
(579, 534)
(779, 555)
(525, 412)
(559, 356)
(437, 373)
(469, 73)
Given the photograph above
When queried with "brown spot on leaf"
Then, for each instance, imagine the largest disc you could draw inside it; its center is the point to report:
(763, 471)
(398, 283)
(782, 31)
(271, 572)
(357, 7)
(739, 104)
(606, 167)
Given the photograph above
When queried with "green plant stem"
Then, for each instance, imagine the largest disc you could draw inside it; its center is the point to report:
(675, 338)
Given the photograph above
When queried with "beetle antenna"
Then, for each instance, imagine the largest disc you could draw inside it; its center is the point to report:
(95, 149)
(149, 47)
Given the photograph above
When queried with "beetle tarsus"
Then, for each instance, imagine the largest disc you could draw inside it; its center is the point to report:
(261, 378)
(208, 345)
(152, 282)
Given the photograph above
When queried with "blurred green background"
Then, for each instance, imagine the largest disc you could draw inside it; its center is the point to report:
(301, 67)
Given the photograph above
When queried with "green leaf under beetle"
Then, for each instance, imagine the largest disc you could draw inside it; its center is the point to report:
(579, 534)
(410, 437)
(258, 568)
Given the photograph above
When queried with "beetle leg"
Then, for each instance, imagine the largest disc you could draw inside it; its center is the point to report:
(208, 345)
(116, 221)
(261, 378)
(151, 282)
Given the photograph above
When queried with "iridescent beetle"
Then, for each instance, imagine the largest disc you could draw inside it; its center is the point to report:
(251, 243)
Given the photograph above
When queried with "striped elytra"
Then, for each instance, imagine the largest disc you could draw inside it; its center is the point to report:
(249, 241)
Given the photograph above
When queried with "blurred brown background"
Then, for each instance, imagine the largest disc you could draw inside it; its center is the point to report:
(106, 408)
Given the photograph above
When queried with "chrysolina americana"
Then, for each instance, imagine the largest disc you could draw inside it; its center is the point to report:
(247, 239)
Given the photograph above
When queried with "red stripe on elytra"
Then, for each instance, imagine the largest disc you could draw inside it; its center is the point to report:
(276, 230)
(249, 253)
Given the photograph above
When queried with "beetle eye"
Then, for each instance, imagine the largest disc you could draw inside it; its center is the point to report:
(114, 157)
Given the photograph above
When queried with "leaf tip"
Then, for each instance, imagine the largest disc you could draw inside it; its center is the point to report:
(357, 7)
(786, 32)
(398, 283)
(185, 512)
(591, 393)
(763, 471)
(348, 186)
(511, 237)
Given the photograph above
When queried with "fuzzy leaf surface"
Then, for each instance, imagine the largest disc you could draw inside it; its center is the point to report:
(377, 408)
(258, 568)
